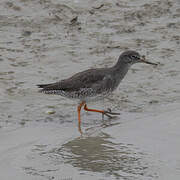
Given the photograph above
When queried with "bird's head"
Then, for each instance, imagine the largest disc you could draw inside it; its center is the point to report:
(132, 57)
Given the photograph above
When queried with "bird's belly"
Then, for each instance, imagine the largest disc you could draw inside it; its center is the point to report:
(96, 97)
(83, 96)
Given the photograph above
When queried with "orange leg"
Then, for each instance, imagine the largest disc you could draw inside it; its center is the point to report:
(93, 110)
(107, 113)
(79, 115)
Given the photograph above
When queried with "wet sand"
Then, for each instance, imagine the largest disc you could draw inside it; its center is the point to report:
(44, 41)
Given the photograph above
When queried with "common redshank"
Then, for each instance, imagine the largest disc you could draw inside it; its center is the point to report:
(94, 83)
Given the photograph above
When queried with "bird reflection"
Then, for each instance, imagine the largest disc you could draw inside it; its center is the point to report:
(100, 154)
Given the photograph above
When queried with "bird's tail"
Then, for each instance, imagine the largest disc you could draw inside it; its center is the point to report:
(42, 85)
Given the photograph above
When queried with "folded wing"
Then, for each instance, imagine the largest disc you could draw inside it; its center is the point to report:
(83, 80)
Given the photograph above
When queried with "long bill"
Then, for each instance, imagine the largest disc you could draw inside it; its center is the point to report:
(147, 62)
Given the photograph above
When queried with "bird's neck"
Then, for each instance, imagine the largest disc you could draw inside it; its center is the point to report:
(120, 69)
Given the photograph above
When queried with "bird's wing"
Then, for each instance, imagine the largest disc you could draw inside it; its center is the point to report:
(104, 85)
(83, 80)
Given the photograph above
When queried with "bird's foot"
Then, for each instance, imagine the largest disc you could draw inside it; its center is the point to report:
(108, 113)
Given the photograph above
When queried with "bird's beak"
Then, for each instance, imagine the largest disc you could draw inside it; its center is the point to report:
(143, 60)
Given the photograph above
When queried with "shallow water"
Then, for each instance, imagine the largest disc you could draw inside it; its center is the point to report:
(42, 42)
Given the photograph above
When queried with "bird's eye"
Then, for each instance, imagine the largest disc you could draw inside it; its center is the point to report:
(135, 57)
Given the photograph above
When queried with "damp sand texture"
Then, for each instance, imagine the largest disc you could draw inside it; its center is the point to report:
(45, 41)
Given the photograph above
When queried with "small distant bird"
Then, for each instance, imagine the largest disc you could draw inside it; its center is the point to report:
(94, 83)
